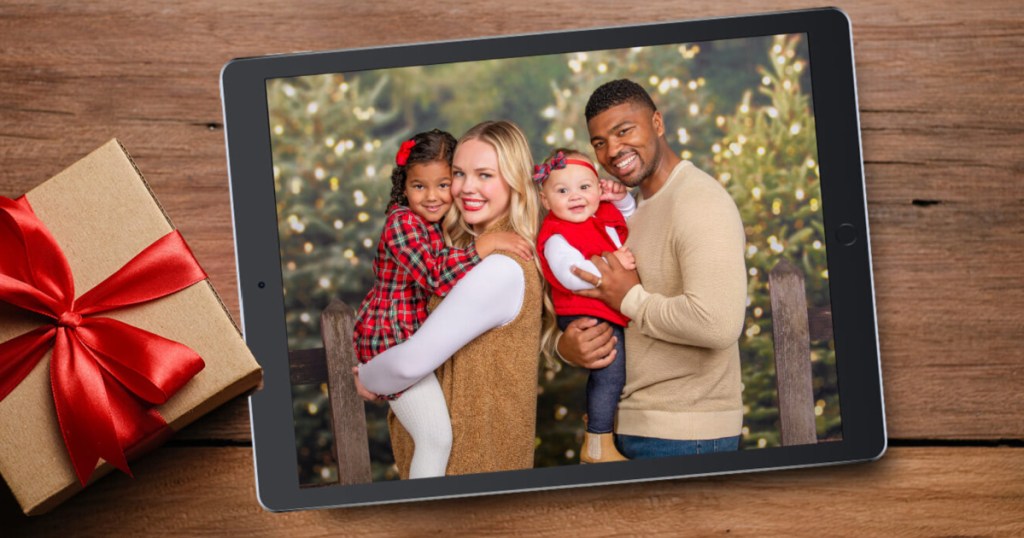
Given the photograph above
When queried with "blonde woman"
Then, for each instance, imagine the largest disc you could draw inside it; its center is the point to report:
(491, 322)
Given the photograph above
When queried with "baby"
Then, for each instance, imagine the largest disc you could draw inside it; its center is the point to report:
(586, 217)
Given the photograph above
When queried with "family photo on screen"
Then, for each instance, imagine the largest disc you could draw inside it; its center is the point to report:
(557, 259)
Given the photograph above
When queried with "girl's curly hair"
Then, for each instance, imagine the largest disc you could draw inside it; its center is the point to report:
(435, 145)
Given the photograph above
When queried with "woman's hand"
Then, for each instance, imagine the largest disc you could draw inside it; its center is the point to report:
(587, 343)
(508, 241)
(614, 282)
(361, 390)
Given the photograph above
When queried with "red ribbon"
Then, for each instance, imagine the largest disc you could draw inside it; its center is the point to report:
(106, 375)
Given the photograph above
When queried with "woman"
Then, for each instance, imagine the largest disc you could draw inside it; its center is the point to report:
(490, 323)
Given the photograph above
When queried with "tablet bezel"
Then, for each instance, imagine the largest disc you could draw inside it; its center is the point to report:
(250, 166)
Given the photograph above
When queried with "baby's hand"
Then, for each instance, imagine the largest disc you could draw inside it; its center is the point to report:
(612, 191)
(488, 243)
(625, 258)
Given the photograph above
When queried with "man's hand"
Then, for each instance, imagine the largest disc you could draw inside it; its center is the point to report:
(587, 343)
(614, 282)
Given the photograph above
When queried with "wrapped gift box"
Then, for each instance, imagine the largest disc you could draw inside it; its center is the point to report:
(102, 213)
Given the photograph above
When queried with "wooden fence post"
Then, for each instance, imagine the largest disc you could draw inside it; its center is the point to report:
(792, 355)
(352, 450)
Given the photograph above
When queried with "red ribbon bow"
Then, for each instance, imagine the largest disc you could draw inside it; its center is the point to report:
(106, 375)
(403, 152)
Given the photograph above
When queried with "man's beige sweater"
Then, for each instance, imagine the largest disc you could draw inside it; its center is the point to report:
(682, 352)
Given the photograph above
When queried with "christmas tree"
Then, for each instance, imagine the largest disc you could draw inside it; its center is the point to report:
(767, 161)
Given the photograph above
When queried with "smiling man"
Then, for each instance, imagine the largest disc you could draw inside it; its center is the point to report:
(686, 299)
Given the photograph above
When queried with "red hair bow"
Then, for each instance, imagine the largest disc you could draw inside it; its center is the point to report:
(403, 152)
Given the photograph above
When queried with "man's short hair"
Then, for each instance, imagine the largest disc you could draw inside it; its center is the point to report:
(615, 93)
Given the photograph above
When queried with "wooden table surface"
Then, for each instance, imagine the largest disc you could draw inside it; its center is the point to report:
(943, 131)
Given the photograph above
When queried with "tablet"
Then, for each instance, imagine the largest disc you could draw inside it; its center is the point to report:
(366, 182)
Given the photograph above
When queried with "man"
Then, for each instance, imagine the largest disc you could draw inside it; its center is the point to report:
(683, 388)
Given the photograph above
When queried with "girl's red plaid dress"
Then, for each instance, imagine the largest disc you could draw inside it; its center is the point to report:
(412, 264)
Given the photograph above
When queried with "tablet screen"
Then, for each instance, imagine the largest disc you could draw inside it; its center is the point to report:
(740, 110)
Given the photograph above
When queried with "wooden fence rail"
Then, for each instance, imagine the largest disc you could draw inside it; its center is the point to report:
(794, 327)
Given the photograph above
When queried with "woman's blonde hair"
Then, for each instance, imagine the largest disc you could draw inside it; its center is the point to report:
(515, 164)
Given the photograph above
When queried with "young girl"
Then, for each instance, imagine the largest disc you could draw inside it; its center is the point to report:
(412, 264)
(586, 216)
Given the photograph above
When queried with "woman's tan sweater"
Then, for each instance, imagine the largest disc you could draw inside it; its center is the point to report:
(490, 387)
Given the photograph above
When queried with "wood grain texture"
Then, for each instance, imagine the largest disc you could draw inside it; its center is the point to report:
(941, 113)
(348, 411)
(791, 335)
(912, 491)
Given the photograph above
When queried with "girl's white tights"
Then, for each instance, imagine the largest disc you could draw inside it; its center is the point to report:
(422, 411)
